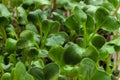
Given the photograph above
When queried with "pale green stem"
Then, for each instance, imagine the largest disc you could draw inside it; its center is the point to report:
(3, 32)
(85, 36)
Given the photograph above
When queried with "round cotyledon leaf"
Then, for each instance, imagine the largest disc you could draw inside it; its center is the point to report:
(27, 35)
(111, 24)
(4, 15)
(21, 44)
(20, 73)
(37, 73)
(91, 52)
(56, 54)
(86, 69)
(28, 4)
(73, 54)
(73, 23)
(78, 12)
(10, 45)
(62, 78)
(36, 16)
(51, 71)
(33, 51)
(106, 21)
(6, 76)
(101, 75)
(31, 27)
(98, 41)
(33, 17)
(100, 15)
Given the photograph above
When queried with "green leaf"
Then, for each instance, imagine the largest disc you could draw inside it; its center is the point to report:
(51, 71)
(4, 11)
(37, 39)
(117, 48)
(42, 2)
(105, 21)
(21, 44)
(29, 53)
(91, 52)
(58, 17)
(10, 30)
(90, 10)
(67, 4)
(73, 23)
(114, 2)
(41, 15)
(105, 51)
(80, 15)
(101, 75)
(31, 27)
(108, 48)
(72, 54)
(56, 54)
(4, 15)
(115, 42)
(1, 59)
(33, 17)
(62, 3)
(80, 41)
(63, 34)
(32, 52)
(37, 73)
(111, 24)
(20, 73)
(10, 45)
(90, 24)
(5, 2)
(56, 39)
(28, 4)
(118, 17)
(62, 78)
(100, 16)
(27, 35)
(98, 41)
(16, 2)
(6, 76)
(70, 70)
(108, 6)
(22, 16)
(43, 53)
(39, 63)
(4, 21)
(87, 69)
(49, 26)
(36, 16)
(93, 2)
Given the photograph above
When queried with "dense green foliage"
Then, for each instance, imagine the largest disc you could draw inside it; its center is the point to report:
(59, 39)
